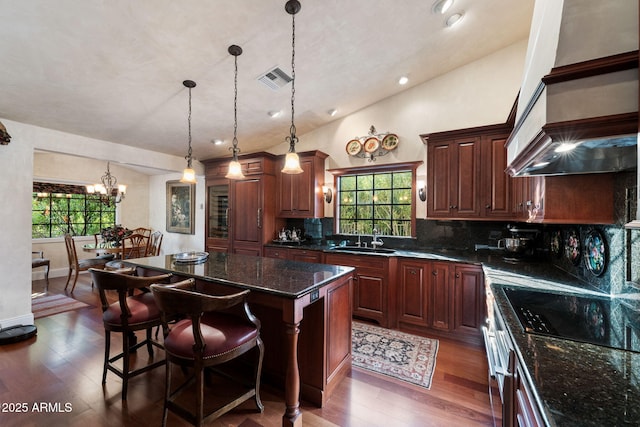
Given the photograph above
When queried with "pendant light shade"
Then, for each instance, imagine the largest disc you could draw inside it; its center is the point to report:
(235, 169)
(292, 161)
(189, 175)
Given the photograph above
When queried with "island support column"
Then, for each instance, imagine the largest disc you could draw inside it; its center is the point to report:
(292, 416)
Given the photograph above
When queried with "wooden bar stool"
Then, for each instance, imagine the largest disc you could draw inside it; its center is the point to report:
(213, 331)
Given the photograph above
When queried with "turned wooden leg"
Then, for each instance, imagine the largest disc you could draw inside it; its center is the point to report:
(292, 416)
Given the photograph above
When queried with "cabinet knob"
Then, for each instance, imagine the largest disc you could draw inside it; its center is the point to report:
(487, 206)
(457, 275)
(434, 272)
(413, 272)
(453, 207)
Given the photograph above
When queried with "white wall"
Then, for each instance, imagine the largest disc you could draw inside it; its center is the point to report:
(478, 94)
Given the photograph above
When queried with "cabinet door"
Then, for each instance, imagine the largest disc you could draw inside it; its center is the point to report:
(413, 290)
(469, 299)
(467, 179)
(247, 212)
(439, 186)
(440, 296)
(495, 190)
(368, 296)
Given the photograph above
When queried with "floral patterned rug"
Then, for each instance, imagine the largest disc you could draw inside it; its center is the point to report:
(393, 353)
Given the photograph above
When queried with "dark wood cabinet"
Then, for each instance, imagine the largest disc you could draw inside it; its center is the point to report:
(441, 297)
(572, 199)
(293, 254)
(374, 291)
(300, 195)
(240, 214)
(526, 412)
(466, 176)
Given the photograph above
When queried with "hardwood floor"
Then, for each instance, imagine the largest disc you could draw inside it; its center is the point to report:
(57, 376)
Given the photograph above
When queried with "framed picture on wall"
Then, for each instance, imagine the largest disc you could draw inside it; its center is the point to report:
(181, 199)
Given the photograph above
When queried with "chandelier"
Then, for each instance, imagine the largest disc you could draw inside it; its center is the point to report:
(108, 189)
(292, 161)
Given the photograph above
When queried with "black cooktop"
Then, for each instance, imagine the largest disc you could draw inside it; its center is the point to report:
(579, 318)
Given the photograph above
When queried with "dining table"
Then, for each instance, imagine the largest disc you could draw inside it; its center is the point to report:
(102, 248)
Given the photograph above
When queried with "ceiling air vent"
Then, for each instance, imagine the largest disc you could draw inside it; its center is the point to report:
(274, 78)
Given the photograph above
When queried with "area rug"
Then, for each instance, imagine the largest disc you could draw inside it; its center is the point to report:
(393, 353)
(54, 304)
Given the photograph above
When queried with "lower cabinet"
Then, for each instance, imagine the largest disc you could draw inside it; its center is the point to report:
(374, 294)
(526, 412)
(440, 297)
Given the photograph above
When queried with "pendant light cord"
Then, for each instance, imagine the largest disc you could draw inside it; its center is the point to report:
(235, 110)
(292, 130)
(189, 152)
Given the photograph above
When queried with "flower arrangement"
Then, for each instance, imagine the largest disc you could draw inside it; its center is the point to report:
(115, 234)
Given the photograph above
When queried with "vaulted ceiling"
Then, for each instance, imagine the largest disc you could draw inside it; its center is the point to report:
(113, 70)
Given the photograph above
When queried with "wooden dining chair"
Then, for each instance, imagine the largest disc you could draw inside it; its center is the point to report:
(135, 310)
(77, 265)
(146, 232)
(155, 241)
(134, 246)
(38, 260)
(213, 330)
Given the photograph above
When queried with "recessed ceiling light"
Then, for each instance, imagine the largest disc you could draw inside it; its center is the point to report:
(441, 6)
(454, 19)
(403, 80)
(332, 112)
(217, 142)
(274, 114)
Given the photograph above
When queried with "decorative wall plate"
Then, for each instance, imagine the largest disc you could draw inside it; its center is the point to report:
(354, 147)
(555, 245)
(572, 246)
(390, 142)
(371, 145)
(595, 252)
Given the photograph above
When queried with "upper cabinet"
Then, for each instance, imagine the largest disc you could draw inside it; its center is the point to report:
(300, 195)
(466, 176)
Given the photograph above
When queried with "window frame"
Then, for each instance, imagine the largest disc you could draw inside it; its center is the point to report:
(370, 170)
(69, 191)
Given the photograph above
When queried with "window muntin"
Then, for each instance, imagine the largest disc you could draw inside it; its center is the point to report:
(59, 208)
(375, 200)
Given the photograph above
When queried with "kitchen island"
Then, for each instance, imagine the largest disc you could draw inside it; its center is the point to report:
(305, 311)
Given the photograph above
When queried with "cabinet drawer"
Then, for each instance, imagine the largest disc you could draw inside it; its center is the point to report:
(280, 253)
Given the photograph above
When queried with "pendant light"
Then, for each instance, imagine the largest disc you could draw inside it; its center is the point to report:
(235, 169)
(292, 161)
(189, 175)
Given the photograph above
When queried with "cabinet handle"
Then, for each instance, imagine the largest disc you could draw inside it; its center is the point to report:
(453, 207)
(487, 206)
(434, 272)
(259, 218)
(226, 217)
(413, 272)
(457, 275)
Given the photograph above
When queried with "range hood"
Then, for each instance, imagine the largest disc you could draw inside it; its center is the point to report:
(577, 110)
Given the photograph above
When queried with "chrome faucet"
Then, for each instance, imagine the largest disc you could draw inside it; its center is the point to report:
(376, 240)
(358, 243)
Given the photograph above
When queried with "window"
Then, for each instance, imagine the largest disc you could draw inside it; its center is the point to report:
(58, 209)
(378, 199)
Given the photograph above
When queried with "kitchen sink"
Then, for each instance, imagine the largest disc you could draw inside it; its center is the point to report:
(363, 249)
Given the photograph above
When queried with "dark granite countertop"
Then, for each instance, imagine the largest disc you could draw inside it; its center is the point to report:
(291, 279)
(574, 383)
